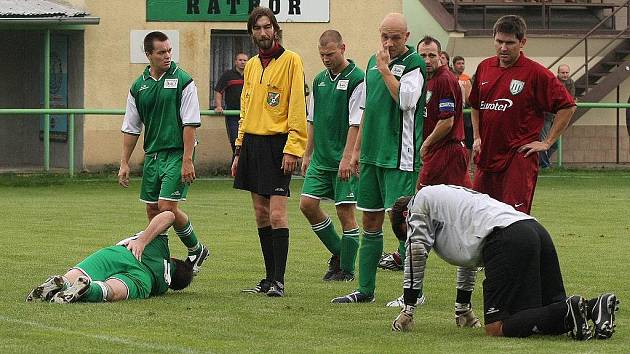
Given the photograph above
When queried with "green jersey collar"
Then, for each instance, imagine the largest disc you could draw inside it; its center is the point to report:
(147, 71)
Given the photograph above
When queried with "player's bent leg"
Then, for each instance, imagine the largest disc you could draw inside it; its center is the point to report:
(152, 210)
(116, 290)
(323, 227)
(197, 252)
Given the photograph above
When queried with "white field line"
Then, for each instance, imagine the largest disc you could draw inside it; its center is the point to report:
(105, 338)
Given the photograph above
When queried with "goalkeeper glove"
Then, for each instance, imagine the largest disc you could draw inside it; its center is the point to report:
(404, 321)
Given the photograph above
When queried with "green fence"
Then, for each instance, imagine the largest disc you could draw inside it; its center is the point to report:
(71, 112)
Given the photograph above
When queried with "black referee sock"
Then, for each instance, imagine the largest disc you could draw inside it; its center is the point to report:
(542, 320)
(280, 252)
(463, 296)
(266, 245)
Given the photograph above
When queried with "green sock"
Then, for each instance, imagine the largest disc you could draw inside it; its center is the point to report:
(402, 250)
(188, 238)
(97, 292)
(325, 230)
(349, 247)
(369, 254)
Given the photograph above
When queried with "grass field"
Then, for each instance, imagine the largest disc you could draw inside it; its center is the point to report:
(49, 224)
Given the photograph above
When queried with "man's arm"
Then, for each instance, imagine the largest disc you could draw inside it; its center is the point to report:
(158, 224)
(131, 128)
(296, 119)
(308, 153)
(442, 128)
(474, 118)
(191, 119)
(345, 165)
(355, 117)
(218, 102)
(560, 123)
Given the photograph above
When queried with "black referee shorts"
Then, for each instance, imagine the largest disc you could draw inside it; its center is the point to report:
(522, 270)
(259, 167)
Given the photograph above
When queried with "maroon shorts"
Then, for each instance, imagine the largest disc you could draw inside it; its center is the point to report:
(446, 165)
(514, 186)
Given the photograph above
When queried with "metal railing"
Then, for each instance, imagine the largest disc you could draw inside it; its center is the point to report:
(71, 112)
(584, 39)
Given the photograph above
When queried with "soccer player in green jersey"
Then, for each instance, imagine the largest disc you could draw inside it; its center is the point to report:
(334, 118)
(392, 130)
(136, 268)
(164, 101)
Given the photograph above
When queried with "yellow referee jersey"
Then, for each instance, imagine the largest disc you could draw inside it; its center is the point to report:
(273, 100)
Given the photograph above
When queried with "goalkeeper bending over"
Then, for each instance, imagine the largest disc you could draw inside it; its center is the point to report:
(523, 292)
(136, 268)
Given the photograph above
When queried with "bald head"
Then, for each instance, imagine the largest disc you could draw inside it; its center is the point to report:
(394, 34)
(563, 72)
(394, 21)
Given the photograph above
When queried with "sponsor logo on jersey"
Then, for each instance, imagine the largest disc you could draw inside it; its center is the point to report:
(517, 205)
(143, 87)
(322, 84)
(342, 85)
(516, 86)
(374, 67)
(398, 70)
(484, 82)
(273, 99)
(429, 93)
(500, 104)
(446, 105)
(170, 83)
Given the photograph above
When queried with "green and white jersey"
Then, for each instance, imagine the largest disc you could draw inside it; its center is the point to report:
(163, 107)
(334, 106)
(391, 134)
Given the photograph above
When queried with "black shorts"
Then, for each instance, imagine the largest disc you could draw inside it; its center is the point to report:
(468, 131)
(259, 167)
(522, 270)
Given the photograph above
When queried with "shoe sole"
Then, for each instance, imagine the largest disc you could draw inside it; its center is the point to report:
(43, 292)
(73, 293)
(607, 328)
(579, 332)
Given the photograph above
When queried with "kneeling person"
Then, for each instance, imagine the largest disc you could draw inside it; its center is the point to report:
(523, 290)
(135, 268)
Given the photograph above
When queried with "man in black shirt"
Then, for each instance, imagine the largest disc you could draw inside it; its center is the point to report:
(229, 87)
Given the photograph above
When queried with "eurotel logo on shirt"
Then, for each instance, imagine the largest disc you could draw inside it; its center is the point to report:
(500, 104)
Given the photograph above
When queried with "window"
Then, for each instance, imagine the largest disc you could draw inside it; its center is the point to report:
(224, 45)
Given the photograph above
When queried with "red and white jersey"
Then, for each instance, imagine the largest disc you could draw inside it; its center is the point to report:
(444, 100)
(511, 102)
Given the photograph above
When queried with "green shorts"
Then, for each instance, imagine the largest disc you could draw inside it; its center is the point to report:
(162, 177)
(119, 263)
(379, 187)
(324, 184)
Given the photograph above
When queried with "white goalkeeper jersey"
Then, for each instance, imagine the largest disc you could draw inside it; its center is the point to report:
(454, 221)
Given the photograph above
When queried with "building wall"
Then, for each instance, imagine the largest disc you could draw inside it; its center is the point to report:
(108, 73)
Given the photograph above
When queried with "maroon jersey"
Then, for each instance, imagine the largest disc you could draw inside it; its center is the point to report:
(511, 102)
(444, 100)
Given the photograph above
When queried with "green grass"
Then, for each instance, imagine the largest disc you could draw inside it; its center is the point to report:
(49, 224)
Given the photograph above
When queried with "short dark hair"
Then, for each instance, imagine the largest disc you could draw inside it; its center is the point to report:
(448, 57)
(510, 24)
(397, 217)
(457, 58)
(428, 40)
(330, 36)
(150, 38)
(182, 276)
(259, 12)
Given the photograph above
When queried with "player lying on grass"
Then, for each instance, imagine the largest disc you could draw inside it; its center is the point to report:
(135, 268)
(523, 291)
